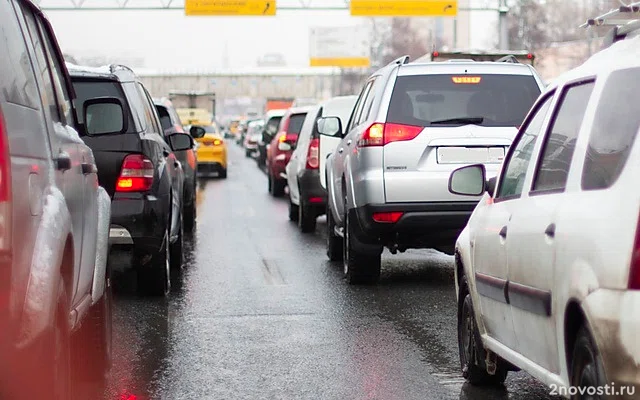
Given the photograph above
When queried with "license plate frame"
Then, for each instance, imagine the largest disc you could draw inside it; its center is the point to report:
(470, 155)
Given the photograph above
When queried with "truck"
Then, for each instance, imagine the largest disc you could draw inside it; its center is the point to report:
(278, 104)
(521, 56)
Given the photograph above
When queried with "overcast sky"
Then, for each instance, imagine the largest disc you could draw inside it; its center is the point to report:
(169, 39)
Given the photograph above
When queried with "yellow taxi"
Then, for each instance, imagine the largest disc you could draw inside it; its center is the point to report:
(211, 149)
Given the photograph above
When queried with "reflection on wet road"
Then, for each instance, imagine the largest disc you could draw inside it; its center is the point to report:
(259, 313)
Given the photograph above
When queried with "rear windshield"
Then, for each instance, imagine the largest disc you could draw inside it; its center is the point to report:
(274, 123)
(86, 90)
(454, 100)
(295, 123)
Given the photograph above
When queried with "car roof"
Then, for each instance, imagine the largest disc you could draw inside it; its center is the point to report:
(276, 113)
(620, 55)
(300, 110)
(117, 72)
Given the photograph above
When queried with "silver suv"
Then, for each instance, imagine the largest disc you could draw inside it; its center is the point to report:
(413, 124)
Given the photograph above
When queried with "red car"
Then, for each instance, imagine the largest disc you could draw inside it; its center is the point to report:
(281, 147)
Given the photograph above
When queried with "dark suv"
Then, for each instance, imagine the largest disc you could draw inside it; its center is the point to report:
(170, 121)
(142, 175)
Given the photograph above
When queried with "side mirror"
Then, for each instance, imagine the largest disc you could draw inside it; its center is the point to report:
(180, 142)
(330, 126)
(469, 180)
(197, 132)
(104, 115)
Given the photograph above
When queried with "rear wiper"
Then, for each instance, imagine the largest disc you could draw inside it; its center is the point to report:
(460, 120)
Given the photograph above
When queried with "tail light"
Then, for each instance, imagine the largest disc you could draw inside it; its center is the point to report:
(5, 190)
(136, 174)
(191, 158)
(634, 271)
(313, 161)
(285, 137)
(381, 134)
(388, 217)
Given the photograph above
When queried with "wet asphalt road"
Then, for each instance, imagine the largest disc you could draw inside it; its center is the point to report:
(259, 313)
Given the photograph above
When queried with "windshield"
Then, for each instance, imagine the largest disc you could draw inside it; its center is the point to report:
(165, 118)
(210, 129)
(446, 100)
(295, 123)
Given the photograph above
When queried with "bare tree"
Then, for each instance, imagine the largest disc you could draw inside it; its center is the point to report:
(405, 40)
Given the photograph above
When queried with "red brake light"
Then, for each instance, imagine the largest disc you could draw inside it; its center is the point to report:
(5, 189)
(398, 133)
(388, 217)
(529, 56)
(315, 200)
(136, 174)
(634, 271)
(313, 161)
(436, 54)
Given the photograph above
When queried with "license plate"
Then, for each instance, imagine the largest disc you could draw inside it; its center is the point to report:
(470, 155)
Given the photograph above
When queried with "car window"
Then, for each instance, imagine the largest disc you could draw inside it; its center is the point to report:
(355, 116)
(295, 123)
(450, 100)
(143, 108)
(368, 102)
(155, 122)
(17, 80)
(273, 122)
(560, 143)
(59, 79)
(614, 130)
(515, 169)
(165, 117)
(49, 96)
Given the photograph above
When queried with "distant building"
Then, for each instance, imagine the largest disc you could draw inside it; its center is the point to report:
(272, 60)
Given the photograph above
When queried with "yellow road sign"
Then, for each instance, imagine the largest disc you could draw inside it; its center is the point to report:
(404, 8)
(343, 62)
(230, 7)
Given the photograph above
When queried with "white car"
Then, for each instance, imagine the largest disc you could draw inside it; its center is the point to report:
(548, 266)
(306, 168)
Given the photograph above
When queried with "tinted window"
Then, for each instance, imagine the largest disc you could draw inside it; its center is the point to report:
(17, 81)
(368, 102)
(274, 122)
(86, 90)
(295, 123)
(42, 67)
(355, 116)
(165, 118)
(614, 130)
(560, 143)
(492, 100)
(515, 171)
(149, 109)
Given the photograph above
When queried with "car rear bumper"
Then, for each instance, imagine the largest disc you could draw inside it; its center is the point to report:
(311, 191)
(137, 229)
(422, 225)
(210, 168)
(212, 156)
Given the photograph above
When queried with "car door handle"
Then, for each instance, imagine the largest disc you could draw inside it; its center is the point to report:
(349, 142)
(551, 230)
(88, 168)
(503, 232)
(63, 162)
(340, 150)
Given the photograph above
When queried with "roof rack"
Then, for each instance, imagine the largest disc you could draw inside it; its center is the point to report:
(400, 61)
(616, 17)
(509, 59)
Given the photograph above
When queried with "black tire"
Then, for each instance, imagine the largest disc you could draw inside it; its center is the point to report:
(247, 153)
(58, 379)
(359, 268)
(155, 279)
(472, 352)
(96, 360)
(276, 186)
(190, 213)
(223, 173)
(306, 218)
(176, 251)
(587, 370)
(293, 211)
(334, 242)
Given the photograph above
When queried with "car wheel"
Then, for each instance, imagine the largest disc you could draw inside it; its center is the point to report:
(306, 219)
(334, 242)
(278, 186)
(189, 213)
(247, 153)
(269, 184)
(223, 173)
(586, 367)
(58, 378)
(155, 279)
(176, 253)
(293, 211)
(471, 349)
(359, 268)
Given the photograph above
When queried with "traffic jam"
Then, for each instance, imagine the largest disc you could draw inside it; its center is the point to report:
(456, 227)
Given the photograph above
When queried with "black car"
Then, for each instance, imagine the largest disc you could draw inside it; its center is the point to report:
(170, 121)
(272, 122)
(140, 172)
